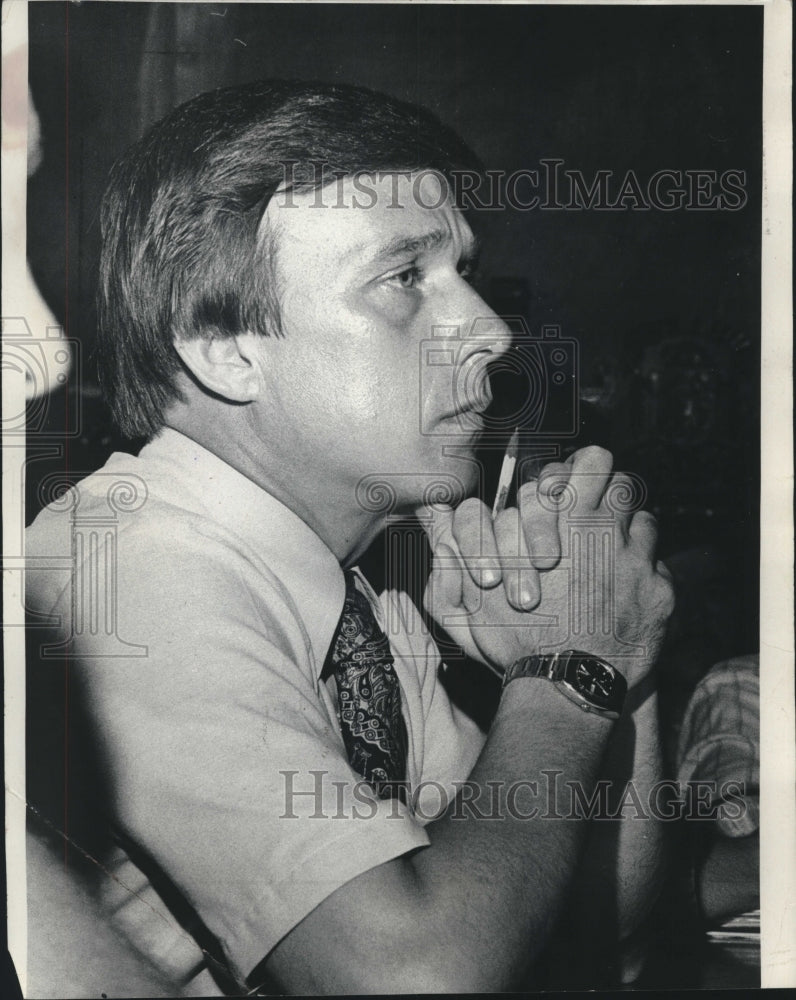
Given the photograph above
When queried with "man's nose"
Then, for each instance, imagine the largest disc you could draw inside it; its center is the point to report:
(485, 330)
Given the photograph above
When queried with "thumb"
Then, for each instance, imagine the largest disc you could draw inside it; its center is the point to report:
(446, 577)
(445, 582)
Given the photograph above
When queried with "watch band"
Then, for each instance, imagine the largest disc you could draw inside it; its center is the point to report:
(590, 682)
(545, 666)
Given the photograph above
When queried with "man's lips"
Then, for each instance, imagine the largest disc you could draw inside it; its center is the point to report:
(475, 413)
(471, 414)
(472, 388)
(477, 397)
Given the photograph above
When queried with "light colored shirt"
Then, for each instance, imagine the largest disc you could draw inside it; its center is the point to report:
(199, 611)
(719, 740)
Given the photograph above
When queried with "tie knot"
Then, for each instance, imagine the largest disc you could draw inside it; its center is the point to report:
(358, 631)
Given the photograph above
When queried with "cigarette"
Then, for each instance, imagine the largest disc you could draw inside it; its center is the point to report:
(506, 474)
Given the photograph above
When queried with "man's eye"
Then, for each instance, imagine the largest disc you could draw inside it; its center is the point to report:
(408, 278)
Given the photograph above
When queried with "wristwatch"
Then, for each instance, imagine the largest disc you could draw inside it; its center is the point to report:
(590, 682)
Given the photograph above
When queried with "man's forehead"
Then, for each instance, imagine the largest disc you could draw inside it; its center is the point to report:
(370, 218)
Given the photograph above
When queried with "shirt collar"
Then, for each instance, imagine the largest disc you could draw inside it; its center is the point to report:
(303, 563)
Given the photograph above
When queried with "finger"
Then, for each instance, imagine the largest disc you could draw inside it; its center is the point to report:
(643, 532)
(444, 588)
(619, 500)
(437, 522)
(553, 476)
(445, 581)
(472, 594)
(475, 538)
(590, 472)
(520, 579)
(540, 527)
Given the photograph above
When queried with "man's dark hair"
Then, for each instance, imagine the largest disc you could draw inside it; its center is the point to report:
(181, 256)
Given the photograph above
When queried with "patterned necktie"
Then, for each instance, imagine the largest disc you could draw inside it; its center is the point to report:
(369, 696)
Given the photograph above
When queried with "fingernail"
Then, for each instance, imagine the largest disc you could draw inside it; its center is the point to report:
(489, 577)
(529, 594)
(527, 599)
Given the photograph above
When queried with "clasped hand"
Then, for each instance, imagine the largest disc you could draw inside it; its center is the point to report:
(573, 565)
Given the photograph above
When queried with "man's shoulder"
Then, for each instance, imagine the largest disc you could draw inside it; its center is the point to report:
(128, 516)
(123, 497)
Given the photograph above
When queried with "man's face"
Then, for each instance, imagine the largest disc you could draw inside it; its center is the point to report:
(386, 344)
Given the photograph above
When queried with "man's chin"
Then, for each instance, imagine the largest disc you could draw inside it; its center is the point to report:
(446, 480)
(453, 481)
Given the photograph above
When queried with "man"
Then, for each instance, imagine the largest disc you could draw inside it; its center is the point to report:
(276, 259)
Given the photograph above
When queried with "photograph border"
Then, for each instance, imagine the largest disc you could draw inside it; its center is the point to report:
(778, 734)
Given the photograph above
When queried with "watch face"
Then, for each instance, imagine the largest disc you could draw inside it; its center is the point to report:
(595, 681)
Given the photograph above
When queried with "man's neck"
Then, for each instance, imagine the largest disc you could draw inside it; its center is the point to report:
(328, 508)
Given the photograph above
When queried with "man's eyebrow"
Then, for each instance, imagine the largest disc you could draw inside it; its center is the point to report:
(434, 239)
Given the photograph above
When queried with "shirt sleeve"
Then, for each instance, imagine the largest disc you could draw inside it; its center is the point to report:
(719, 741)
(224, 766)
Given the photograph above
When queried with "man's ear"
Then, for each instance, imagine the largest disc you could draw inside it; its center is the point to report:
(227, 366)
